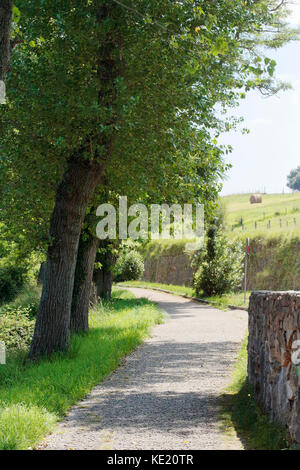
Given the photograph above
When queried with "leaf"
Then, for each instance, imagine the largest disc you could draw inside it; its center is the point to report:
(16, 14)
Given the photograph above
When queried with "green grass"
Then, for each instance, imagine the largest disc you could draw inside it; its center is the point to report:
(156, 248)
(172, 288)
(34, 396)
(29, 294)
(234, 298)
(222, 301)
(274, 207)
(240, 413)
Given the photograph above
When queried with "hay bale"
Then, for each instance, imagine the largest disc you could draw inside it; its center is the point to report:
(255, 199)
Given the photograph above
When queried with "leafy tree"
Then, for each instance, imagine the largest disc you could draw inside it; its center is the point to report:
(220, 265)
(111, 90)
(293, 179)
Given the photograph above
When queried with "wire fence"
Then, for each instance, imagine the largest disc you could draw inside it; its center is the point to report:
(266, 224)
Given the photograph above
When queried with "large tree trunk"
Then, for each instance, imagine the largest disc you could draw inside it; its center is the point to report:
(87, 250)
(6, 12)
(52, 329)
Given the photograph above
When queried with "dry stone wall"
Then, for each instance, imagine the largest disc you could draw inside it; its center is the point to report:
(273, 355)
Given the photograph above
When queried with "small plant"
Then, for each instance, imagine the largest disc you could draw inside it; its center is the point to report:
(219, 265)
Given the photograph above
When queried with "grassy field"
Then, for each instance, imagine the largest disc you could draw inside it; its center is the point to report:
(34, 396)
(281, 211)
(221, 301)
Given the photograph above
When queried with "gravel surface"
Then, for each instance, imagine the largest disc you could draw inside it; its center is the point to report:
(165, 395)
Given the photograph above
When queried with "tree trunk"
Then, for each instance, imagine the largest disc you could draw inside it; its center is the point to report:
(52, 329)
(6, 12)
(41, 274)
(103, 278)
(87, 250)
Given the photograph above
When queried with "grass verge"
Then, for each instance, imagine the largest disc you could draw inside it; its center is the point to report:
(241, 414)
(34, 396)
(221, 301)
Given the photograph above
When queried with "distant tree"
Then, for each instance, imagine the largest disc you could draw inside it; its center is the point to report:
(294, 179)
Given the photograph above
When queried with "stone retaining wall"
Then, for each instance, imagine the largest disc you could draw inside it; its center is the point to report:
(274, 326)
(169, 270)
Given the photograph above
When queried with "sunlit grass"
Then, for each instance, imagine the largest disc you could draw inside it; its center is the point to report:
(222, 301)
(274, 208)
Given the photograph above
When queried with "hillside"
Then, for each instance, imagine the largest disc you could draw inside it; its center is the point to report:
(278, 213)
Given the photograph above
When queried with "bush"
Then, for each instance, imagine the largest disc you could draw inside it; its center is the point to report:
(219, 265)
(129, 267)
(11, 280)
(16, 327)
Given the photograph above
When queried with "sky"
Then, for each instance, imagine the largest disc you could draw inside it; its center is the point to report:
(263, 158)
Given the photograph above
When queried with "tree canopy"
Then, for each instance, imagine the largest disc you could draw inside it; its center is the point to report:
(293, 179)
(115, 97)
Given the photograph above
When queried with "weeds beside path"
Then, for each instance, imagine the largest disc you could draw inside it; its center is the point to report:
(242, 415)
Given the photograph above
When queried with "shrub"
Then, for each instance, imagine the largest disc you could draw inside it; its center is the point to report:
(11, 280)
(219, 265)
(16, 327)
(129, 267)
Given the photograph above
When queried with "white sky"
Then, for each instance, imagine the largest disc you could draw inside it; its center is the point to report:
(262, 159)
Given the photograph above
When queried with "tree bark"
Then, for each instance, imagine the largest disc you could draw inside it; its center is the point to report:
(87, 250)
(6, 13)
(52, 329)
(103, 278)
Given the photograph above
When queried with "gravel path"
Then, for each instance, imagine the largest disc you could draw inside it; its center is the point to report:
(165, 395)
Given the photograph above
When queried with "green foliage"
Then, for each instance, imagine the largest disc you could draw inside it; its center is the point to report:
(129, 267)
(156, 248)
(274, 262)
(16, 327)
(241, 414)
(11, 280)
(219, 265)
(175, 65)
(17, 319)
(293, 179)
(34, 396)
